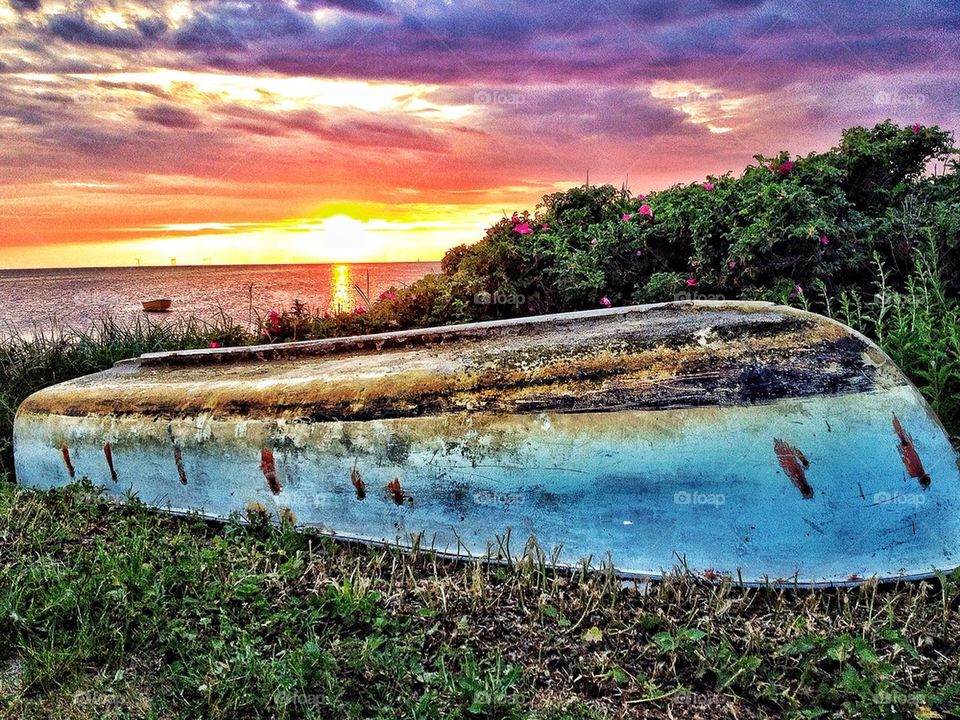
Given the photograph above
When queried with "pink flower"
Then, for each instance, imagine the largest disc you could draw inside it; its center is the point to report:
(797, 291)
(692, 282)
(732, 264)
(639, 252)
(523, 228)
(646, 210)
(360, 310)
(916, 128)
(824, 240)
(214, 345)
(708, 186)
(273, 322)
(626, 216)
(544, 227)
(605, 301)
(593, 242)
(641, 197)
(388, 295)
(785, 167)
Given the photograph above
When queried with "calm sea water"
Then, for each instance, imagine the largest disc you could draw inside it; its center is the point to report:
(40, 299)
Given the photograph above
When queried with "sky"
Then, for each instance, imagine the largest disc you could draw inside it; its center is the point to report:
(271, 131)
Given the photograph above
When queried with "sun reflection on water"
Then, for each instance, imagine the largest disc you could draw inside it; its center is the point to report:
(341, 284)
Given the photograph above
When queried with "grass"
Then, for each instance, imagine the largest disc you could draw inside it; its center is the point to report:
(113, 611)
(919, 329)
(110, 611)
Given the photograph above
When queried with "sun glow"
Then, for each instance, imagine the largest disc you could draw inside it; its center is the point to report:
(713, 108)
(276, 92)
(340, 233)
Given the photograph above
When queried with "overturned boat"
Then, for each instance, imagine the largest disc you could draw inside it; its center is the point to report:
(737, 439)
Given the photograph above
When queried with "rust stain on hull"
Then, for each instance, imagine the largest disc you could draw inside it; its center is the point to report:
(358, 484)
(909, 455)
(268, 466)
(396, 492)
(108, 454)
(794, 464)
(178, 459)
(68, 463)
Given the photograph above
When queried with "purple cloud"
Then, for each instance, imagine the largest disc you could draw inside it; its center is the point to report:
(170, 117)
(78, 30)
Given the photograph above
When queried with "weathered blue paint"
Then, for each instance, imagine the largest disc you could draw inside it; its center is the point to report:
(701, 485)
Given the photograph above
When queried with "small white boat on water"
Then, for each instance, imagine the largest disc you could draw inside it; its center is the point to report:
(740, 439)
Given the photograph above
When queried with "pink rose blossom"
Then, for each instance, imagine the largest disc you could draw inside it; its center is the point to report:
(785, 167)
(360, 310)
(214, 345)
(708, 186)
(692, 282)
(626, 216)
(646, 210)
(732, 264)
(641, 197)
(916, 128)
(523, 229)
(605, 301)
(824, 240)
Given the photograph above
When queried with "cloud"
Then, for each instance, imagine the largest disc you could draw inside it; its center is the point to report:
(78, 30)
(169, 116)
(362, 7)
(25, 5)
(229, 26)
(288, 101)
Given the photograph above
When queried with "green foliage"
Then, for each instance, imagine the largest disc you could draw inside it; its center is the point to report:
(918, 326)
(780, 226)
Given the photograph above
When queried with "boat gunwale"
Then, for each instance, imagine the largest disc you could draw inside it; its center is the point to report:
(440, 333)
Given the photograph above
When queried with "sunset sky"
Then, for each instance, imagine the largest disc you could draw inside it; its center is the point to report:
(217, 131)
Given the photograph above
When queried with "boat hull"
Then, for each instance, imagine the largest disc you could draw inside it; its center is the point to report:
(811, 490)
(157, 306)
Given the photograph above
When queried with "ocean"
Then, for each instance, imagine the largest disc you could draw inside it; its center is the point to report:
(36, 300)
